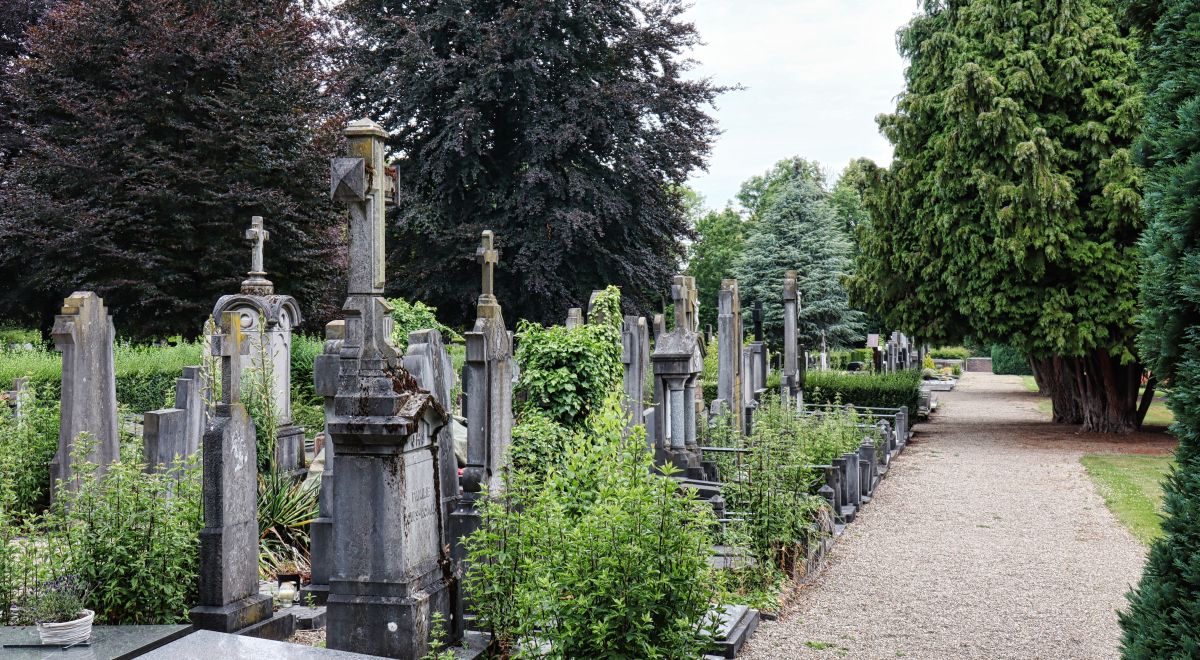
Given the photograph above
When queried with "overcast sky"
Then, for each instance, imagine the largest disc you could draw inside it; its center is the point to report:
(816, 74)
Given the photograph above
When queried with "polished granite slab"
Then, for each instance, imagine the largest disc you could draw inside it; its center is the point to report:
(107, 643)
(207, 645)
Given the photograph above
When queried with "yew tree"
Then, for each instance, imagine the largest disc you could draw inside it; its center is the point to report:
(1011, 209)
(152, 131)
(565, 127)
(1163, 620)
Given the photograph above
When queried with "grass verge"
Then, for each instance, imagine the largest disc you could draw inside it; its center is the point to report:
(1131, 486)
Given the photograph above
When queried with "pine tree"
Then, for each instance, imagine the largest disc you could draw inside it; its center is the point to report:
(155, 129)
(798, 230)
(721, 237)
(1163, 620)
(566, 127)
(1011, 209)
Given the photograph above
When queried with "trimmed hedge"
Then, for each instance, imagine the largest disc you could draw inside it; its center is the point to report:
(1009, 361)
(902, 388)
(950, 353)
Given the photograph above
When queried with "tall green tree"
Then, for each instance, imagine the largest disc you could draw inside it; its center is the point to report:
(16, 16)
(758, 192)
(848, 193)
(1163, 620)
(155, 129)
(1011, 209)
(720, 238)
(566, 127)
(798, 230)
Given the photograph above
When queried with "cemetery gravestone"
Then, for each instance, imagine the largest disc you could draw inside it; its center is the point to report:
(730, 340)
(678, 361)
(267, 320)
(429, 362)
(791, 347)
(84, 334)
(229, 598)
(635, 356)
(326, 367)
(574, 317)
(392, 570)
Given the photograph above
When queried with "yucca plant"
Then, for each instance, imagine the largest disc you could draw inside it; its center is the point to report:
(285, 509)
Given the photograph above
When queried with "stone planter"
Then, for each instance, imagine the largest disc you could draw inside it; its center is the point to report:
(69, 632)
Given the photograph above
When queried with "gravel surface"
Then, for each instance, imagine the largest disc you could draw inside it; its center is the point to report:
(986, 540)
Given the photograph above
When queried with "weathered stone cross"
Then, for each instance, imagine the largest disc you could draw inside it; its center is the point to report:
(488, 256)
(259, 235)
(230, 345)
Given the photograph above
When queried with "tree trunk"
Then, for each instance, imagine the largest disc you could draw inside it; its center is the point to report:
(1095, 391)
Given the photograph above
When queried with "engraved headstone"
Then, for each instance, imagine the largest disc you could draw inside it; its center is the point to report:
(392, 570)
(84, 334)
(229, 598)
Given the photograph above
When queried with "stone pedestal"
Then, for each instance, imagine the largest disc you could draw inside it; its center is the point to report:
(84, 333)
(229, 598)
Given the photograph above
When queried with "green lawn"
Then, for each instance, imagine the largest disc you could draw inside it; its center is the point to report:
(1131, 486)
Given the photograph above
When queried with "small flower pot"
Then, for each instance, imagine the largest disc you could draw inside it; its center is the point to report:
(69, 632)
(293, 577)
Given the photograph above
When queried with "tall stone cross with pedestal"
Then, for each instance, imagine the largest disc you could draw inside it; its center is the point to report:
(266, 321)
(678, 361)
(84, 333)
(730, 342)
(229, 598)
(391, 566)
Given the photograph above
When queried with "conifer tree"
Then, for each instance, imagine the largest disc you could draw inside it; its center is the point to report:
(565, 127)
(1163, 620)
(1011, 209)
(798, 230)
(155, 129)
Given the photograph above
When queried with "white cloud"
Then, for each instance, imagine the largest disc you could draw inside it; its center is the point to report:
(816, 73)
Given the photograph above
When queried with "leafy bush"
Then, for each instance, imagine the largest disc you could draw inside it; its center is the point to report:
(1008, 360)
(410, 317)
(950, 353)
(131, 537)
(888, 390)
(566, 373)
(27, 446)
(864, 355)
(538, 442)
(712, 367)
(641, 588)
(19, 337)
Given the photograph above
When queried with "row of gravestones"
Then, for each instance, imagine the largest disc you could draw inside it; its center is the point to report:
(895, 354)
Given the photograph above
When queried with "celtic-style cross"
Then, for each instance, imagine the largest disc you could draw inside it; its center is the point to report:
(259, 235)
(488, 257)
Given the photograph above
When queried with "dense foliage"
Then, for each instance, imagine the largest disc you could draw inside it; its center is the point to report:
(16, 16)
(797, 229)
(132, 538)
(27, 445)
(564, 127)
(566, 373)
(642, 587)
(153, 131)
(885, 390)
(1010, 211)
(1163, 619)
(720, 238)
(413, 316)
(1009, 360)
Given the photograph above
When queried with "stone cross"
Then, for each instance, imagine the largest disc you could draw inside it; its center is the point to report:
(259, 235)
(488, 256)
(230, 345)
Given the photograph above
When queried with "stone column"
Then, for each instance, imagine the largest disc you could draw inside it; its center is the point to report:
(791, 346)
(164, 438)
(392, 570)
(84, 333)
(190, 396)
(729, 347)
(229, 598)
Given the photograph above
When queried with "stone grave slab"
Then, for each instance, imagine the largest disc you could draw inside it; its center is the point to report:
(207, 644)
(107, 643)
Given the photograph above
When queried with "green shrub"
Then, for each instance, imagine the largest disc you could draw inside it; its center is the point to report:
(950, 353)
(27, 446)
(538, 442)
(566, 373)
(19, 337)
(712, 367)
(863, 355)
(131, 537)
(888, 390)
(410, 317)
(1009, 361)
(598, 558)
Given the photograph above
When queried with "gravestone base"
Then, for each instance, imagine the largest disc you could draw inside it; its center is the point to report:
(278, 627)
(289, 450)
(405, 615)
(318, 592)
(235, 616)
(735, 627)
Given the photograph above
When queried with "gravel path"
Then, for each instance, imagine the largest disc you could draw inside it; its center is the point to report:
(985, 540)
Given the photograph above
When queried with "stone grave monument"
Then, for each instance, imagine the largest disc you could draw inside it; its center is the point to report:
(730, 342)
(267, 320)
(326, 368)
(173, 433)
(678, 361)
(229, 598)
(391, 565)
(635, 357)
(574, 317)
(792, 374)
(84, 333)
